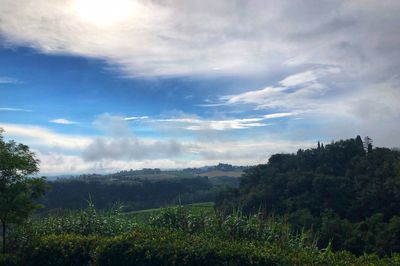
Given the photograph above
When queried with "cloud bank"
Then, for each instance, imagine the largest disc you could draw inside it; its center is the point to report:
(119, 148)
(147, 38)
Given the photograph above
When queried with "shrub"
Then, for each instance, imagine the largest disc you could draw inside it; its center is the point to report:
(174, 236)
(166, 247)
(160, 246)
(181, 218)
(235, 226)
(8, 260)
(84, 222)
(61, 250)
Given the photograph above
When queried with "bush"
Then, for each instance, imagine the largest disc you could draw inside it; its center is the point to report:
(61, 250)
(8, 260)
(175, 236)
(165, 247)
(160, 246)
(181, 218)
(236, 226)
(85, 222)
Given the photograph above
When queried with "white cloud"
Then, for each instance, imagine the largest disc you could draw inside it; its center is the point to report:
(131, 148)
(299, 79)
(302, 98)
(195, 123)
(112, 125)
(256, 96)
(135, 118)
(300, 92)
(11, 109)
(63, 121)
(117, 126)
(310, 76)
(195, 154)
(211, 37)
(42, 137)
(306, 41)
(279, 115)
(60, 153)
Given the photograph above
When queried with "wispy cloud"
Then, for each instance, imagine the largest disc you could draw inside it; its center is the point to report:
(43, 137)
(4, 80)
(280, 98)
(11, 109)
(279, 115)
(299, 79)
(63, 121)
(185, 121)
(299, 92)
(135, 118)
(192, 123)
(255, 96)
(309, 76)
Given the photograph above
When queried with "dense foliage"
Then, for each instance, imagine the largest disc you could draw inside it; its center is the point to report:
(134, 191)
(298, 209)
(172, 236)
(188, 219)
(18, 192)
(348, 193)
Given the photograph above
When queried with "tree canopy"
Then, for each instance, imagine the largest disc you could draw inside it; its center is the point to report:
(18, 191)
(347, 191)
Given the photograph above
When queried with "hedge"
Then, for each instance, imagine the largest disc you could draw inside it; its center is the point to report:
(167, 247)
(61, 250)
(8, 260)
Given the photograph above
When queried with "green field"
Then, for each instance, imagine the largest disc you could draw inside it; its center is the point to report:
(144, 215)
(219, 173)
(177, 235)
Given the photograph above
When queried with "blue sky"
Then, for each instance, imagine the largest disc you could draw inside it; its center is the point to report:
(101, 86)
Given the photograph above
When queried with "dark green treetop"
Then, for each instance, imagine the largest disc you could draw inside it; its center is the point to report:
(18, 191)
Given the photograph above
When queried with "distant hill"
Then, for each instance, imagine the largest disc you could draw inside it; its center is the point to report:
(142, 189)
(219, 173)
(220, 170)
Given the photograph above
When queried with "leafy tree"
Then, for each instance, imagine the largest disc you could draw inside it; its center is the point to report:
(348, 195)
(17, 190)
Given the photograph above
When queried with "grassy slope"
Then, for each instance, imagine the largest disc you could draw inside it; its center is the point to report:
(144, 215)
(217, 173)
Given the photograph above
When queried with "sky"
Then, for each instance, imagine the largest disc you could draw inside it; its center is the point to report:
(108, 85)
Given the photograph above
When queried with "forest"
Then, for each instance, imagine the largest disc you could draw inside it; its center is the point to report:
(141, 189)
(347, 192)
(336, 204)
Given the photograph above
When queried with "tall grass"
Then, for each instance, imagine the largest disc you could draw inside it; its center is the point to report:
(113, 222)
(237, 226)
(88, 221)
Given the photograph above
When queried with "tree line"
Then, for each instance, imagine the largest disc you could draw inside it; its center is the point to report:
(134, 194)
(347, 192)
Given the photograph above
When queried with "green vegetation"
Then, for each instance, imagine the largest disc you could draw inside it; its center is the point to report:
(141, 189)
(348, 194)
(180, 235)
(310, 208)
(144, 215)
(17, 191)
